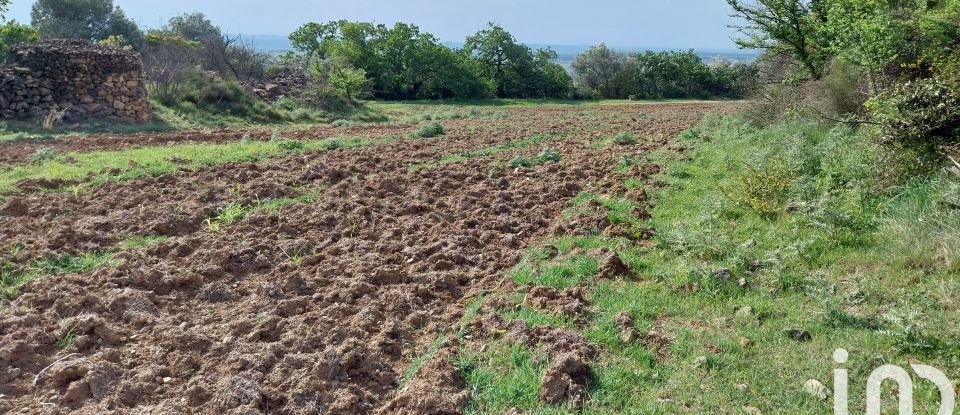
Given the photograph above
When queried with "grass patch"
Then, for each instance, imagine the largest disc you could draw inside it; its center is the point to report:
(141, 241)
(488, 151)
(428, 130)
(236, 211)
(624, 139)
(12, 276)
(803, 215)
(98, 167)
(547, 156)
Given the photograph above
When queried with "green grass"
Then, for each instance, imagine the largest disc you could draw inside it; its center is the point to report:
(136, 163)
(141, 241)
(546, 156)
(12, 277)
(488, 151)
(862, 263)
(251, 113)
(236, 211)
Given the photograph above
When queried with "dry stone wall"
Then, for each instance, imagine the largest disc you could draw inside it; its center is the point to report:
(79, 79)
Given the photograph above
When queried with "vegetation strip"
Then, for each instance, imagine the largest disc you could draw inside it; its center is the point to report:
(488, 151)
(99, 167)
(12, 276)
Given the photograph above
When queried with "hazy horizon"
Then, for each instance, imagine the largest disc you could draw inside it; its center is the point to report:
(623, 24)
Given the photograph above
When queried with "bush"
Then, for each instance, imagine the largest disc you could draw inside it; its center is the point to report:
(211, 93)
(44, 154)
(764, 190)
(429, 130)
(546, 156)
(549, 155)
(519, 161)
(921, 114)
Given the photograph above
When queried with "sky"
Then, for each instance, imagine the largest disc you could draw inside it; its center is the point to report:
(669, 24)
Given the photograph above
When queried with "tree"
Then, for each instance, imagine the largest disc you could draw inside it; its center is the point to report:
(346, 79)
(13, 34)
(229, 56)
(551, 79)
(4, 6)
(193, 26)
(83, 19)
(871, 34)
(451, 74)
(784, 27)
(167, 59)
(310, 37)
(603, 71)
(504, 61)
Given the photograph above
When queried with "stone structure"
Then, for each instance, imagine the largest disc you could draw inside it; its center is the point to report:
(79, 79)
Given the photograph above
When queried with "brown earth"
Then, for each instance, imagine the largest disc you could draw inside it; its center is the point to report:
(319, 308)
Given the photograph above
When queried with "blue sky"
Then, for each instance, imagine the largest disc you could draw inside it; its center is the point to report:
(673, 24)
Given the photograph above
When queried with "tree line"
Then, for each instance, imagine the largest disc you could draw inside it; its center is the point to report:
(883, 63)
(346, 60)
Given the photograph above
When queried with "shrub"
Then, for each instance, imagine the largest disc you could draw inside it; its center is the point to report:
(546, 156)
(921, 114)
(549, 155)
(429, 130)
(519, 161)
(764, 190)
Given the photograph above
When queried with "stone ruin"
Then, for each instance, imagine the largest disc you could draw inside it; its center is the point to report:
(73, 80)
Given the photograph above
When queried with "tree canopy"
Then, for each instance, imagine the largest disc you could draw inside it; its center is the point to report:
(83, 19)
(402, 62)
(13, 34)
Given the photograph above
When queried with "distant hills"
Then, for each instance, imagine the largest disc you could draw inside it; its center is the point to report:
(280, 44)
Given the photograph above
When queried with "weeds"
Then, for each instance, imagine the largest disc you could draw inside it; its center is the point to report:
(547, 156)
(624, 139)
(763, 190)
(429, 130)
(489, 151)
(292, 146)
(98, 167)
(141, 241)
(67, 339)
(51, 118)
(44, 154)
(831, 251)
(13, 276)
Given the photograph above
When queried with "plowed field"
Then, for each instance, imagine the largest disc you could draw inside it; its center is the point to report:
(310, 281)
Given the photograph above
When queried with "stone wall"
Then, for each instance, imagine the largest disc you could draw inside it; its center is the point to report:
(81, 79)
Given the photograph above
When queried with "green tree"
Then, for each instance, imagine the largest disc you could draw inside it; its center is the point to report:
(344, 78)
(193, 26)
(672, 75)
(310, 38)
(83, 19)
(13, 34)
(784, 27)
(871, 34)
(451, 74)
(4, 6)
(551, 80)
(603, 71)
(502, 60)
